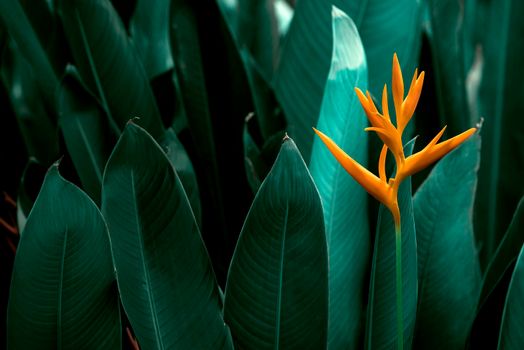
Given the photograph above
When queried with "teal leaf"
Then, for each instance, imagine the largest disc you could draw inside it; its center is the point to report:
(166, 282)
(303, 68)
(381, 331)
(62, 292)
(511, 333)
(277, 288)
(448, 265)
(344, 200)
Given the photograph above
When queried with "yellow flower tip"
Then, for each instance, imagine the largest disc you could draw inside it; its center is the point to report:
(397, 87)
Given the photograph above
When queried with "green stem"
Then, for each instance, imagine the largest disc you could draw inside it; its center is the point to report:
(398, 264)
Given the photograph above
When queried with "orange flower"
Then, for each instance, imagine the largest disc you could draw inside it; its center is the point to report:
(380, 187)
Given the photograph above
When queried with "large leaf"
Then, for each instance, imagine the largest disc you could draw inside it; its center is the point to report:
(166, 282)
(511, 333)
(344, 200)
(486, 327)
(277, 287)
(381, 331)
(506, 254)
(500, 99)
(19, 28)
(86, 132)
(109, 63)
(149, 29)
(37, 124)
(448, 265)
(257, 30)
(447, 45)
(63, 293)
(387, 27)
(216, 98)
(303, 68)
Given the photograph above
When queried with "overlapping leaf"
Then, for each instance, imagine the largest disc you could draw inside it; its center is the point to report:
(344, 200)
(277, 287)
(166, 281)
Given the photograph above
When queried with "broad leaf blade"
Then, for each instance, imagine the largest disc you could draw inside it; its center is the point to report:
(448, 265)
(149, 29)
(344, 200)
(277, 288)
(166, 282)
(511, 333)
(62, 293)
(109, 63)
(86, 132)
(303, 68)
(381, 331)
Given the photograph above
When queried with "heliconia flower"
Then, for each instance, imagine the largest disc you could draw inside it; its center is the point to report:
(380, 187)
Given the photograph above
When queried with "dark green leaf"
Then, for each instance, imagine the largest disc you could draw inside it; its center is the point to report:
(344, 200)
(506, 254)
(277, 288)
(30, 184)
(165, 278)
(86, 132)
(63, 293)
(447, 44)
(511, 332)
(448, 265)
(256, 30)
(303, 68)
(381, 332)
(149, 30)
(37, 124)
(179, 159)
(19, 28)
(109, 63)
(217, 99)
(500, 99)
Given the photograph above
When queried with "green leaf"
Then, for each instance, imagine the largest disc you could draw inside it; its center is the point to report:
(217, 99)
(62, 292)
(257, 30)
(36, 122)
(86, 132)
(486, 328)
(344, 200)
(149, 29)
(28, 189)
(19, 28)
(166, 281)
(179, 159)
(387, 27)
(109, 63)
(506, 254)
(448, 265)
(277, 287)
(511, 333)
(447, 46)
(381, 331)
(500, 99)
(303, 68)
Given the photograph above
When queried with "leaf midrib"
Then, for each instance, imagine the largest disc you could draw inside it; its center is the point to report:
(60, 290)
(149, 292)
(281, 279)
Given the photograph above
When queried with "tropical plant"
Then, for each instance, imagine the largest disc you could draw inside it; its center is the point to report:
(163, 186)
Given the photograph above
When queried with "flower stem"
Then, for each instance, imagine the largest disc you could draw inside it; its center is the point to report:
(398, 264)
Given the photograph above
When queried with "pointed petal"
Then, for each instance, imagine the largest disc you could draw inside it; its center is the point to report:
(382, 163)
(385, 107)
(364, 177)
(433, 152)
(369, 107)
(397, 86)
(411, 101)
